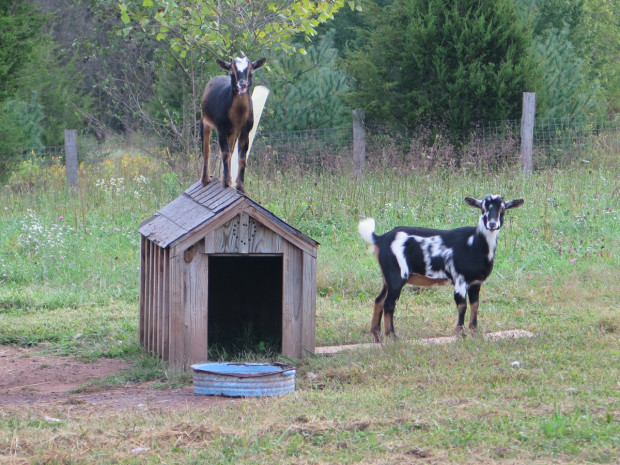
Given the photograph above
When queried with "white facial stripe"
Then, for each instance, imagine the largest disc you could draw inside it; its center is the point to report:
(398, 249)
(242, 63)
(490, 236)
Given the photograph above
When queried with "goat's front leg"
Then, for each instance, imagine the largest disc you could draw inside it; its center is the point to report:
(474, 293)
(225, 149)
(375, 323)
(205, 136)
(244, 143)
(461, 307)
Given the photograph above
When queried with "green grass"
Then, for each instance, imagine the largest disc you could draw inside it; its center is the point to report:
(69, 284)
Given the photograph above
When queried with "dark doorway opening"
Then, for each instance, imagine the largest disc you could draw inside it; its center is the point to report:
(245, 305)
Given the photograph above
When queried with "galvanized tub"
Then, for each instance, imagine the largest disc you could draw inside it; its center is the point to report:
(243, 379)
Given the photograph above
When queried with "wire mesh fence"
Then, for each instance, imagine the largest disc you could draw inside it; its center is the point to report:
(307, 149)
(39, 153)
(558, 142)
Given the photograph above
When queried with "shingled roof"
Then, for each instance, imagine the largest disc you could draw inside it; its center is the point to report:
(199, 206)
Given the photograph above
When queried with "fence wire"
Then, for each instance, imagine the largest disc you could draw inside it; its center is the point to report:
(558, 142)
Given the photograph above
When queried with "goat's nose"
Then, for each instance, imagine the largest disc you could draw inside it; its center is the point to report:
(242, 85)
(493, 224)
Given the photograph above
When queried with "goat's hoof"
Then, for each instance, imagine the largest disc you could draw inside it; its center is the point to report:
(376, 334)
(206, 180)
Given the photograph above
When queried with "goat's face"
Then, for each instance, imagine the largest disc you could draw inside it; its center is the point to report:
(493, 208)
(241, 71)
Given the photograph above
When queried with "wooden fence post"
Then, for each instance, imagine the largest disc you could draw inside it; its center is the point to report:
(528, 117)
(359, 143)
(71, 160)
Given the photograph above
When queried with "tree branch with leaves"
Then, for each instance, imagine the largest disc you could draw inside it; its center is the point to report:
(226, 28)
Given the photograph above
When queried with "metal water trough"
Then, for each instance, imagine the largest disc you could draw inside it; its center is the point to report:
(243, 379)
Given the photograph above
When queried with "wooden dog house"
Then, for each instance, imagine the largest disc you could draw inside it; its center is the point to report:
(213, 261)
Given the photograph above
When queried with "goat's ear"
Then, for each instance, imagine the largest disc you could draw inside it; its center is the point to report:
(225, 65)
(258, 63)
(473, 202)
(514, 203)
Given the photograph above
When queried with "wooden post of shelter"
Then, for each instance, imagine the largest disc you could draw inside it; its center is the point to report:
(71, 160)
(528, 117)
(359, 143)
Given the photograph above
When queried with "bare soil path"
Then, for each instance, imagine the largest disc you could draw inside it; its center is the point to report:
(30, 378)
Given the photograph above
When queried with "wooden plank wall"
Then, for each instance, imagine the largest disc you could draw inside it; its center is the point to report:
(292, 288)
(244, 235)
(177, 310)
(308, 324)
(173, 320)
(195, 302)
(164, 299)
(154, 294)
(143, 281)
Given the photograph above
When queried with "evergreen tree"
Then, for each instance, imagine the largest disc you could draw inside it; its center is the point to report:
(458, 62)
(578, 43)
(566, 90)
(306, 90)
(27, 116)
(19, 28)
(58, 88)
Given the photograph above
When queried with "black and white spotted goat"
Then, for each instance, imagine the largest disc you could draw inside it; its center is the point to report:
(431, 257)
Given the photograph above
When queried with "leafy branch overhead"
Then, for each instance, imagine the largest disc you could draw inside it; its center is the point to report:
(228, 27)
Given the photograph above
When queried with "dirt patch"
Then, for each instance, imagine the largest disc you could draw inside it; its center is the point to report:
(29, 378)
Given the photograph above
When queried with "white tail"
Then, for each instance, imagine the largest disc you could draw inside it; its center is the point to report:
(366, 229)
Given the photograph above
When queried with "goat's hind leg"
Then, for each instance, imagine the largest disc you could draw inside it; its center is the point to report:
(389, 305)
(205, 136)
(375, 323)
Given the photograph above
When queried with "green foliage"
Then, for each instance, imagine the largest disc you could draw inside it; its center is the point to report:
(566, 90)
(306, 90)
(57, 83)
(578, 44)
(225, 28)
(27, 117)
(19, 28)
(456, 62)
(558, 14)
(20, 128)
(12, 142)
(602, 49)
